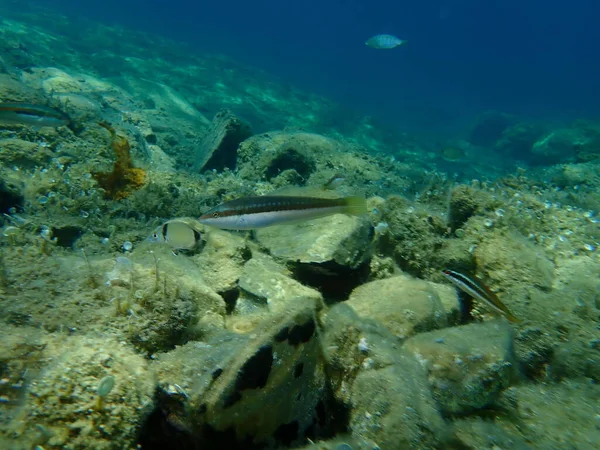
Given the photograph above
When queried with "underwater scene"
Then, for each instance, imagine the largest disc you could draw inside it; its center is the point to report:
(331, 225)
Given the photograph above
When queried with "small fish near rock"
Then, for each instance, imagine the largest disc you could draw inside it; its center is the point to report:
(480, 292)
(385, 41)
(180, 234)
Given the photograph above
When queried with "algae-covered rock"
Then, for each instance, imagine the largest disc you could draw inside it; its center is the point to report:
(22, 356)
(384, 387)
(164, 307)
(477, 433)
(61, 408)
(222, 260)
(569, 175)
(267, 284)
(329, 253)
(249, 388)
(534, 348)
(561, 415)
(339, 239)
(467, 366)
(414, 237)
(578, 143)
(404, 305)
(516, 140)
(24, 154)
(13, 90)
(465, 201)
(268, 155)
(510, 259)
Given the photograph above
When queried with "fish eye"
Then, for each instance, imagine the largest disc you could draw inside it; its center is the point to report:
(215, 215)
(154, 235)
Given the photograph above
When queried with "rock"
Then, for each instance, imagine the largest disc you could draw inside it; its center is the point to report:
(414, 237)
(218, 149)
(472, 433)
(268, 284)
(534, 349)
(24, 154)
(12, 90)
(577, 144)
(516, 140)
(384, 387)
(258, 388)
(331, 253)
(512, 260)
(70, 378)
(561, 415)
(465, 201)
(393, 408)
(222, 260)
(569, 175)
(266, 156)
(489, 128)
(404, 305)
(467, 366)
(163, 310)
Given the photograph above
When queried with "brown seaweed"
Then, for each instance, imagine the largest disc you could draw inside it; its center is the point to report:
(124, 178)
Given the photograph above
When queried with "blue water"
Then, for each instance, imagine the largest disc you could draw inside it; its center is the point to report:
(535, 58)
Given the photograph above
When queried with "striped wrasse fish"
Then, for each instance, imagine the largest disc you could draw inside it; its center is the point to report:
(33, 115)
(480, 292)
(249, 213)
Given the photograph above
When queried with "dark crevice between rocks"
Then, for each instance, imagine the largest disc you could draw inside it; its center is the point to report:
(230, 296)
(10, 197)
(290, 159)
(334, 281)
(165, 428)
(67, 235)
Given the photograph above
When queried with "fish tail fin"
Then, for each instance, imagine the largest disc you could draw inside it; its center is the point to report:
(355, 206)
(512, 318)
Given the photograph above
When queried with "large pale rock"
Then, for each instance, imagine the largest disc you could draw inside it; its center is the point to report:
(266, 283)
(330, 253)
(405, 305)
(339, 239)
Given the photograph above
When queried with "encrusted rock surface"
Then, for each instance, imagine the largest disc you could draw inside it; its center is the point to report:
(467, 366)
(406, 306)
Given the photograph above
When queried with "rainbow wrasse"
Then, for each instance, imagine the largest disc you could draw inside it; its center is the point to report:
(33, 115)
(479, 292)
(249, 213)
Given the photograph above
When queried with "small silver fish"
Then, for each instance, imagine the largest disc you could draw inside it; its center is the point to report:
(384, 41)
(250, 213)
(37, 116)
(179, 234)
(480, 292)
